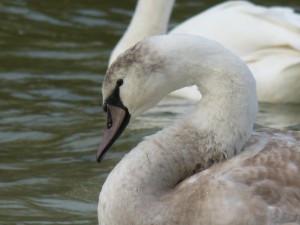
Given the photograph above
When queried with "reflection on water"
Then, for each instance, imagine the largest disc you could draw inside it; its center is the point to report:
(52, 60)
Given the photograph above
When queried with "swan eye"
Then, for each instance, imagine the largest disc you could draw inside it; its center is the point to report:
(120, 82)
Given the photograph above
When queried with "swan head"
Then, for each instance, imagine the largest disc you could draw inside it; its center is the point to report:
(132, 85)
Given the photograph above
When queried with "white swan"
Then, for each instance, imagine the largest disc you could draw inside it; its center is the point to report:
(189, 173)
(266, 38)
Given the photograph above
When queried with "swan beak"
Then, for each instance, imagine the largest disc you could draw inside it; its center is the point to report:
(116, 121)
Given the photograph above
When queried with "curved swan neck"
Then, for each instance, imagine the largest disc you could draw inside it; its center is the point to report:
(216, 130)
(229, 103)
(151, 17)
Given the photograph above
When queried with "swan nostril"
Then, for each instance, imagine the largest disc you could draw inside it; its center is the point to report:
(109, 124)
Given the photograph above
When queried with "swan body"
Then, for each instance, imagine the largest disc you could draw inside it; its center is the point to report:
(207, 168)
(266, 38)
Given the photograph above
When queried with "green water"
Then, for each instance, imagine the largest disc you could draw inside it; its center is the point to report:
(53, 55)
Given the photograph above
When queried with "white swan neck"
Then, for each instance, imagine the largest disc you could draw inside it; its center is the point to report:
(151, 17)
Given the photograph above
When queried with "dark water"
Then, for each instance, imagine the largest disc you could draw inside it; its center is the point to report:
(53, 55)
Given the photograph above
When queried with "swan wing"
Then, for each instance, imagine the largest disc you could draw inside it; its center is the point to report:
(259, 186)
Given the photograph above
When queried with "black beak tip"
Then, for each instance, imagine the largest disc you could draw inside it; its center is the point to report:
(99, 157)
